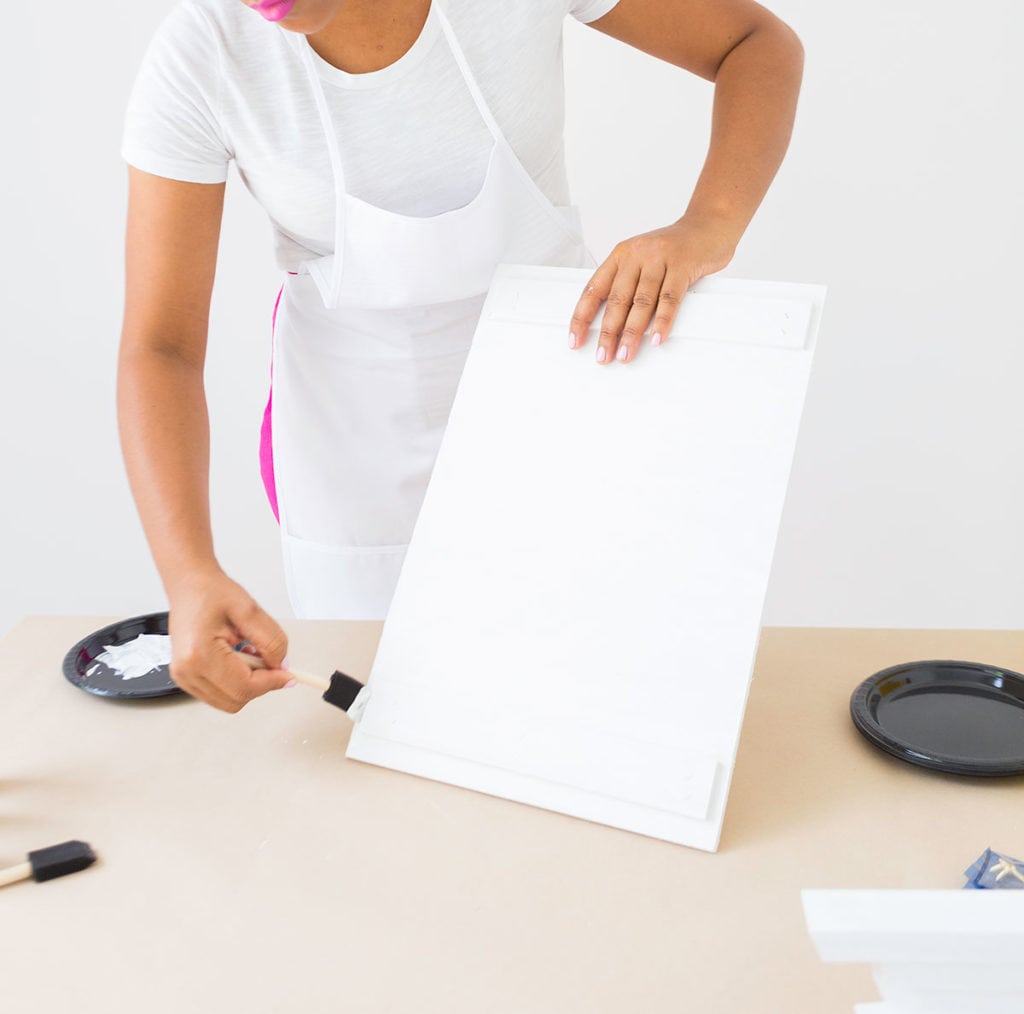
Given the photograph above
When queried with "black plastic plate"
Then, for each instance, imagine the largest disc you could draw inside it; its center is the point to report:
(964, 718)
(83, 670)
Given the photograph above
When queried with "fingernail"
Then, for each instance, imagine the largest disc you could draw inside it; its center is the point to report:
(572, 340)
(623, 353)
(284, 663)
(602, 354)
(656, 338)
(290, 683)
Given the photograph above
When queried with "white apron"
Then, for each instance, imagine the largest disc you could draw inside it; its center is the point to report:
(369, 344)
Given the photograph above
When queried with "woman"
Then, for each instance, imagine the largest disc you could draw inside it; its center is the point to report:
(402, 149)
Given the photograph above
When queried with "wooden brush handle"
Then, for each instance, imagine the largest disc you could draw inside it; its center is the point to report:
(317, 682)
(23, 871)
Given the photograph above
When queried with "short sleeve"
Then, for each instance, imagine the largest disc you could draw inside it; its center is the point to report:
(590, 10)
(172, 125)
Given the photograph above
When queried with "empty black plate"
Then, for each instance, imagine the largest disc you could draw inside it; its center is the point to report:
(82, 668)
(961, 717)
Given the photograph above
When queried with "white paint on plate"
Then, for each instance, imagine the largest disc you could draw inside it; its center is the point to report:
(138, 657)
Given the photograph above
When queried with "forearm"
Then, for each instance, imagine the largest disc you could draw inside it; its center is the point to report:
(756, 89)
(165, 439)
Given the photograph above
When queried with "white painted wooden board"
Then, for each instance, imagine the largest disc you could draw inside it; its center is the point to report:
(932, 952)
(579, 610)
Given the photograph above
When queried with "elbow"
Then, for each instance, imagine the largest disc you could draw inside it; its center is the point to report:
(772, 39)
(787, 43)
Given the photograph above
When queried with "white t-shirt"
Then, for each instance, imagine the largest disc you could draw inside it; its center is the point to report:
(218, 82)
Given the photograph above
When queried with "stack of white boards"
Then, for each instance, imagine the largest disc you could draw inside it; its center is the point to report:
(932, 952)
(578, 613)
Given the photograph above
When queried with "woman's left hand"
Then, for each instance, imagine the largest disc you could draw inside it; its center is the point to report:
(644, 280)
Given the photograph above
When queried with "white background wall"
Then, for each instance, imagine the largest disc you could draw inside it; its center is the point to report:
(902, 192)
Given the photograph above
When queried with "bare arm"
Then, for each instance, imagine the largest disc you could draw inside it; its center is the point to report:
(756, 63)
(170, 260)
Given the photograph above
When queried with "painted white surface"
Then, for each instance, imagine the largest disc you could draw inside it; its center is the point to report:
(576, 622)
(932, 952)
(900, 193)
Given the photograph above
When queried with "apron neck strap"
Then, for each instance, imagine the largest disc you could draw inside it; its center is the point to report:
(305, 50)
(306, 54)
(466, 71)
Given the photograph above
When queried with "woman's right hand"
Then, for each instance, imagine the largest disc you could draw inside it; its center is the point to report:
(209, 615)
(171, 243)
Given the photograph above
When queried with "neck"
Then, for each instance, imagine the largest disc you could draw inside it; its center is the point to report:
(368, 35)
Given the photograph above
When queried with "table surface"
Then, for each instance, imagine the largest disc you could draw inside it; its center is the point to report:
(246, 865)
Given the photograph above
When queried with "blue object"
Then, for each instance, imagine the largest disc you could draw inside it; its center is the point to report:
(992, 871)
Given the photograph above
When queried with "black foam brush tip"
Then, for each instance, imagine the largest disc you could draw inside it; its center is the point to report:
(57, 860)
(342, 691)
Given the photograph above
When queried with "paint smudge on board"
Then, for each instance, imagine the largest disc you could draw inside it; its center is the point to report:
(137, 658)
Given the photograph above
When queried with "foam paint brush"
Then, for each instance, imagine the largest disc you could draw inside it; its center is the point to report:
(340, 690)
(49, 863)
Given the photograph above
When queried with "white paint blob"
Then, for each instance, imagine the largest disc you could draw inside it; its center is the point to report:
(136, 658)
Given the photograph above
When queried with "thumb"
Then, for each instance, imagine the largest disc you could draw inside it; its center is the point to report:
(258, 678)
(261, 681)
(265, 634)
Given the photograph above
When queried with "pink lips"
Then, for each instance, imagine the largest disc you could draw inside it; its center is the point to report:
(274, 10)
